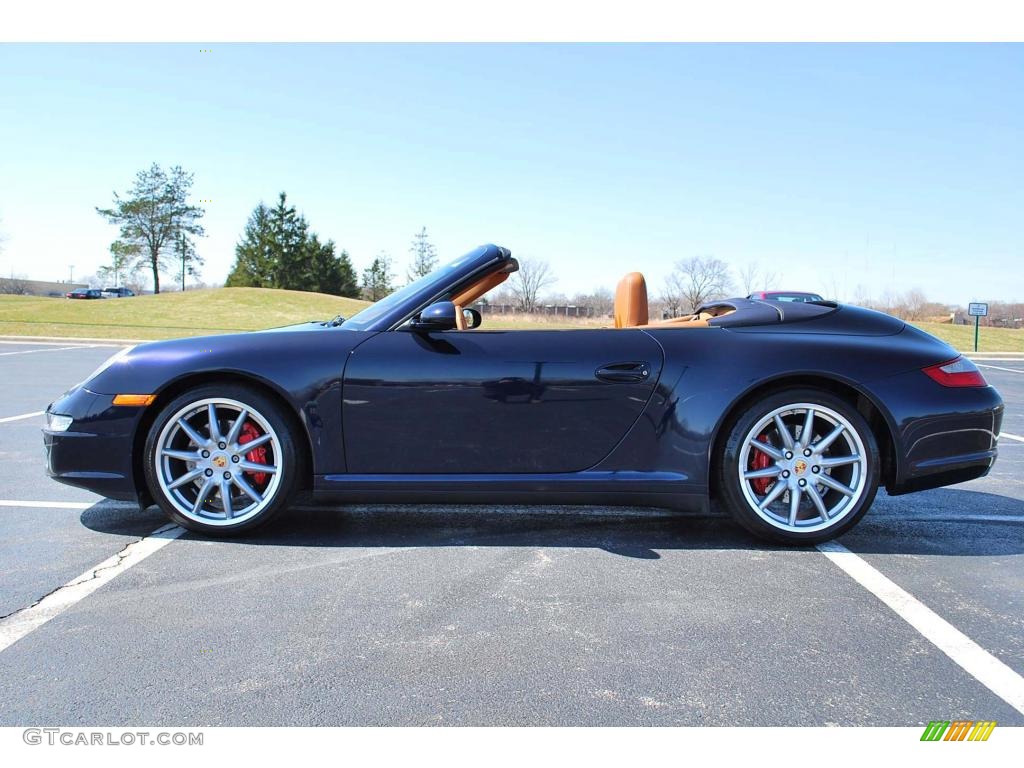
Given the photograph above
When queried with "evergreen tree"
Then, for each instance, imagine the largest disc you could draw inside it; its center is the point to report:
(290, 237)
(324, 266)
(377, 278)
(278, 250)
(349, 283)
(255, 254)
(424, 255)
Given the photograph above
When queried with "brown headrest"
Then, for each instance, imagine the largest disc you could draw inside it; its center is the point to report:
(631, 301)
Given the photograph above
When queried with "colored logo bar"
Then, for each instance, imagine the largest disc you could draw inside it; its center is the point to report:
(958, 730)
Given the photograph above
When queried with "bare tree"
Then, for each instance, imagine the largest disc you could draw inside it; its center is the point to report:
(700, 279)
(835, 288)
(599, 301)
(14, 286)
(671, 296)
(533, 277)
(750, 275)
(502, 296)
(887, 302)
(602, 300)
(912, 304)
(753, 278)
(135, 281)
(750, 278)
(861, 296)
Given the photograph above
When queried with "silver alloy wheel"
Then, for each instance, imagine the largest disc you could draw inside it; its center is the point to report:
(203, 469)
(816, 469)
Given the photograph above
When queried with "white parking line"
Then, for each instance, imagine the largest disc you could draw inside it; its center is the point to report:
(1011, 436)
(948, 518)
(21, 623)
(48, 349)
(23, 416)
(47, 504)
(1000, 368)
(975, 660)
(66, 343)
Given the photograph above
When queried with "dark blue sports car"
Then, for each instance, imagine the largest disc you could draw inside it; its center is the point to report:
(788, 414)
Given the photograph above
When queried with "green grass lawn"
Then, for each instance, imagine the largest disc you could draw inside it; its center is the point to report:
(223, 310)
(168, 315)
(960, 336)
(989, 339)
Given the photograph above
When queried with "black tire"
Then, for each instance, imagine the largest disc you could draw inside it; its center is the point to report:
(730, 487)
(286, 458)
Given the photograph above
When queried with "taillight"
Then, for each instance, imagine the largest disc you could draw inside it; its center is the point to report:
(960, 372)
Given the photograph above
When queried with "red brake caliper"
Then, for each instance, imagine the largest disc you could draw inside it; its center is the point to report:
(758, 460)
(257, 455)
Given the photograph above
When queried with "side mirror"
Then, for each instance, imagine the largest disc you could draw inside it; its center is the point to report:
(473, 318)
(436, 317)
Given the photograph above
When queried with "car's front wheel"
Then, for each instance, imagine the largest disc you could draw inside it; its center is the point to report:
(221, 459)
(800, 466)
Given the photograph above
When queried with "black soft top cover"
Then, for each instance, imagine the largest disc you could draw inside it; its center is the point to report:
(748, 312)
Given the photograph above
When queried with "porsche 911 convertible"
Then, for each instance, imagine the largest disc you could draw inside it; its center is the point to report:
(788, 415)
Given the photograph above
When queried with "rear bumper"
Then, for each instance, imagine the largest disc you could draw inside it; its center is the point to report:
(957, 469)
(95, 453)
(942, 435)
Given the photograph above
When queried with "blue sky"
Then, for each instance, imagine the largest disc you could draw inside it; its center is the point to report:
(835, 166)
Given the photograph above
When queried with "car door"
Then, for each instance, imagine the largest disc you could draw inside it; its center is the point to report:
(494, 401)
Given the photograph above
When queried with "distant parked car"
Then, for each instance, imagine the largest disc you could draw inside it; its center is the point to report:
(117, 293)
(85, 293)
(785, 296)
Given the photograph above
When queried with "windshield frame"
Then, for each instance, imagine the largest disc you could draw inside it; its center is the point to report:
(397, 307)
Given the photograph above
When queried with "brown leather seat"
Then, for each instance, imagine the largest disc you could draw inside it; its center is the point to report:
(631, 301)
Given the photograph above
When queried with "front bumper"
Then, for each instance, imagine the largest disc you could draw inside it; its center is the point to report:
(96, 452)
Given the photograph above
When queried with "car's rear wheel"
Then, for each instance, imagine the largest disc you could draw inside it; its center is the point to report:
(800, 466)
(220, 459)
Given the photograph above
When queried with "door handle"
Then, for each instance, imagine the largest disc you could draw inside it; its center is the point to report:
(623, 372)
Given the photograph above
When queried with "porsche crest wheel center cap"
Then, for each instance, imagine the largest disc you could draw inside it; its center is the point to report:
(220, 462)
(799, 467)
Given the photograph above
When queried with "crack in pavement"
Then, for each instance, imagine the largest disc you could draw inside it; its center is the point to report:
(18, 623)
(121, 554)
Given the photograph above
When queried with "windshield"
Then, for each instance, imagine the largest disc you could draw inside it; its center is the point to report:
(794, 297)
(438, 279)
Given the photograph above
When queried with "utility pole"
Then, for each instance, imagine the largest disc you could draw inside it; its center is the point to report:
(71, 276)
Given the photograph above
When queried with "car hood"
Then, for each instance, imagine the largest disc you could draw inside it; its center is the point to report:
(265, 355)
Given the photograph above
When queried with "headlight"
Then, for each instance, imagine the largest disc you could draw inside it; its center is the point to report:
(107, 363)
(57, 422)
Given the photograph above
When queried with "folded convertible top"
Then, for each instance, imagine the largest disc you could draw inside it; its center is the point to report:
(735, 313)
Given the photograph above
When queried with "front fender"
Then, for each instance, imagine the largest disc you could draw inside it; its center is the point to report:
(303, 368)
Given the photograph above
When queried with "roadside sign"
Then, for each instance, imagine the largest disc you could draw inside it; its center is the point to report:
(977, 310)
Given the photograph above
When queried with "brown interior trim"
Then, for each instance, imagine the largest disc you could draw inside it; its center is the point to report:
(487, 283)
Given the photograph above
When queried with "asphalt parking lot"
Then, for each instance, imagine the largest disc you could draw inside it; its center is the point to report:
(495, 616)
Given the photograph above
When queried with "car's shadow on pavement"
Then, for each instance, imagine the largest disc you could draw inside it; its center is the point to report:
(925, 523)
